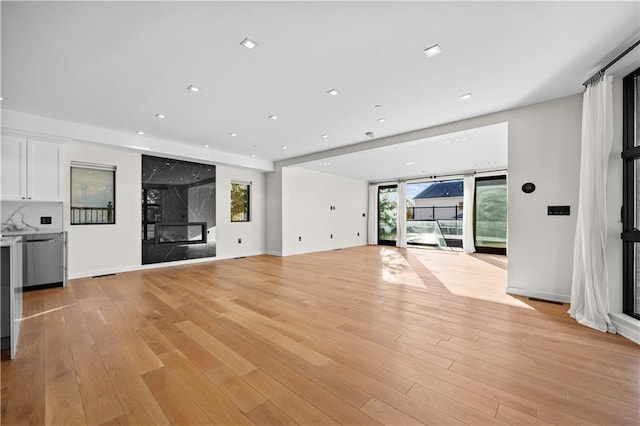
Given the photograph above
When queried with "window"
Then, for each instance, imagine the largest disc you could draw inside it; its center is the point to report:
(490, 213)
(631, 195)
(240, 202)
(93, 194)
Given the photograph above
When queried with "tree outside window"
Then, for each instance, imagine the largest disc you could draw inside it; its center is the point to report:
(240, 202)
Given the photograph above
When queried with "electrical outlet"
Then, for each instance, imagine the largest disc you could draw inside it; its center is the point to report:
(358, 234)
(239, 240)
(331, 236)
(300, 238)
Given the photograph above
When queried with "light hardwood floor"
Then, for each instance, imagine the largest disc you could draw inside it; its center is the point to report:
(367, 335)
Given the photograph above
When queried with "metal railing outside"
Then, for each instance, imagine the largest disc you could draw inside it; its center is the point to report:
(439, 226)
(91, 215)
(434, 213)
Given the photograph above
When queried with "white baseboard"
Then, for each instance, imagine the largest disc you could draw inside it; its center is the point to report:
(626, 326)
(132, 268)
(274, 253)
(554, 297)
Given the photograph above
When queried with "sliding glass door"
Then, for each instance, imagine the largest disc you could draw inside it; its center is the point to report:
(387, 214)
(491, 214)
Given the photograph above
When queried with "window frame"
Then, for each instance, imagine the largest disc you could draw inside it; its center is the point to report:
(97, 167)
(630, 235)
(246, 199)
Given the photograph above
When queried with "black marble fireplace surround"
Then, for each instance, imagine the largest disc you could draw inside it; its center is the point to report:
(178, 210)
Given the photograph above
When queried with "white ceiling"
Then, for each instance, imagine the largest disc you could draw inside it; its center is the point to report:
(479, 149)
(115, 65)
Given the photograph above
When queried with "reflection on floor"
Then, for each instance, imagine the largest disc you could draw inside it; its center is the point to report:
(479, 276)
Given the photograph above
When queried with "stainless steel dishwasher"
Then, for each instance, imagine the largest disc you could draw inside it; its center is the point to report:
(43, 260)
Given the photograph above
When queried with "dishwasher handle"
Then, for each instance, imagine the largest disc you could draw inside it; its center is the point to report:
(43, 240)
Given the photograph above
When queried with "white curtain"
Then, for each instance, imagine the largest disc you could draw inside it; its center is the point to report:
(372, 220)
(468, 240)
(401, 233)
(589, 287)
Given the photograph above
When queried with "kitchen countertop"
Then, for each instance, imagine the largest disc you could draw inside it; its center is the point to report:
(31, 232)
(9, 241)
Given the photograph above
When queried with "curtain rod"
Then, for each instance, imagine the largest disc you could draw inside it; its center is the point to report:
(460, 174)
(600, 73)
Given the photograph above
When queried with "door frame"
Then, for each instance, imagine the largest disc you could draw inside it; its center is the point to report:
(483, 249)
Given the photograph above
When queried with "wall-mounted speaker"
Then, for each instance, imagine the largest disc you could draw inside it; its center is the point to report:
(528, 188)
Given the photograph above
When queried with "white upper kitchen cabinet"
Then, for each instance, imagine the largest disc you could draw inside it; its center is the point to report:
(31, 169)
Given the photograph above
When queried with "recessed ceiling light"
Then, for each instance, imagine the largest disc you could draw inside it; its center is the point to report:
(1, 98)
(205, 146)
(283, 147)
(381, 120)
(466, 96)
(233, 134)
(161, 116)
(273, 117)
(410, 163)
(325, 136)
(333, 92)
(377, 106)
(140, 132)
(193, 88)
(432, 51)
(249, 44)
(253, 156)
(325, 164)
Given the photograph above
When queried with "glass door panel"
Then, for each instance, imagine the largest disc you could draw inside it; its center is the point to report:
(434, 213)
(491, 214)
(387, 214)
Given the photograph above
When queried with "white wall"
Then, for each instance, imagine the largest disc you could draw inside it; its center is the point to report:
(544, 148)
(306, 200)
(253, 233)
(100, 249)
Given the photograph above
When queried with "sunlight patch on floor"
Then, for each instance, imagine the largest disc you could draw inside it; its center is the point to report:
(396, 269)
(465, 275)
